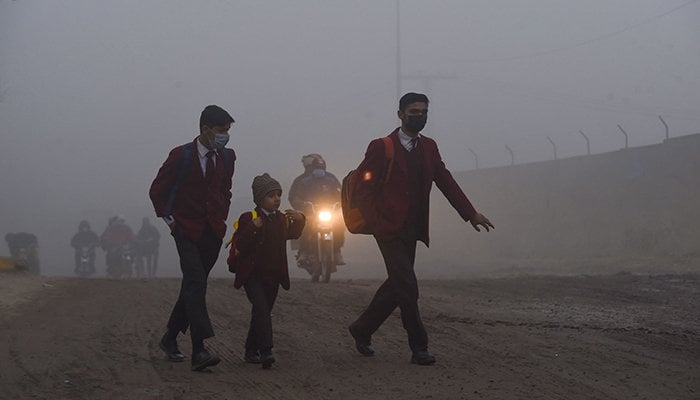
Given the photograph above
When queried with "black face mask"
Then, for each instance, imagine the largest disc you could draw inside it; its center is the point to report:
(416, 123)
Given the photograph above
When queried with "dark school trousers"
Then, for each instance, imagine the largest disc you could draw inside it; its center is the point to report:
(196, 261)
(262, 295)
(400, 289)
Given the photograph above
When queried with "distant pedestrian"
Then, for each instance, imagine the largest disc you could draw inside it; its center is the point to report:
(148, 241)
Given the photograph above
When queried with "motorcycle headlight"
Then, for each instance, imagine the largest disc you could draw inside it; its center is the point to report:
(324, 216)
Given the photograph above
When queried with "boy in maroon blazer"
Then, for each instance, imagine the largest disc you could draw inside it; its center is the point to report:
(396, 208)
(192, 193)
(258, 256)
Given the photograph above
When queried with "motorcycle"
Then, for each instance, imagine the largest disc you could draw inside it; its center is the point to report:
(22, 259)
(85, 267)
(123, 262)
(321, 262)
(26, 259)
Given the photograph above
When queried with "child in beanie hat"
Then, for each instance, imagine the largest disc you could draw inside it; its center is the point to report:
(258, 257)
(262, 185)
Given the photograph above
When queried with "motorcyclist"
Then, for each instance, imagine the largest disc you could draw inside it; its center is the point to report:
(116, 236)
(147, 242)
(85, 237)
(24, 250)
(317, 187)
(294, 198)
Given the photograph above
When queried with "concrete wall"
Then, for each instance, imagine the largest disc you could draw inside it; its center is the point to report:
(639, 202)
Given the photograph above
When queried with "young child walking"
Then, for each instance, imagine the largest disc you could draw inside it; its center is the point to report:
(258, 257)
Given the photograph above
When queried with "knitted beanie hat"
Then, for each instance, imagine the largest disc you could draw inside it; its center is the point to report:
(262, 185)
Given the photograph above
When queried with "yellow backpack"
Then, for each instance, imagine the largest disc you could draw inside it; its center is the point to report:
(254, 215)
(233, 254)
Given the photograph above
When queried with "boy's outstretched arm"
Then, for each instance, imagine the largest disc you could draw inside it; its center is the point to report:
(297, 220)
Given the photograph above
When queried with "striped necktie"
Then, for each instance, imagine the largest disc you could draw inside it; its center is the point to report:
(413, 143)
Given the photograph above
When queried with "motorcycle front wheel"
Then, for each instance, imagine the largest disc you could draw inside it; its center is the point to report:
(327, 260)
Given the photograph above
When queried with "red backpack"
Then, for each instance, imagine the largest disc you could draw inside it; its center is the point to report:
(354, 220)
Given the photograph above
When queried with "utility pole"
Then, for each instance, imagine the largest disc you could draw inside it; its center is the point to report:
(426, 79)
(398, 51)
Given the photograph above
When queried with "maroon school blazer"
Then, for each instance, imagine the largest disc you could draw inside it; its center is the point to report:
(196, 204)
(385, 207)
(267, 244)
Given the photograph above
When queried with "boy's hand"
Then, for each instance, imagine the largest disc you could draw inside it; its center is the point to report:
(257, 222)
(295, 215)
(170, 221)
(480, 219)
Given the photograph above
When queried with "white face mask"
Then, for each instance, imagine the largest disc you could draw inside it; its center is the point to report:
(318, 173)
(220, 140)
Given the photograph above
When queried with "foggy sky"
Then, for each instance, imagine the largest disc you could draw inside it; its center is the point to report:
(93, 95)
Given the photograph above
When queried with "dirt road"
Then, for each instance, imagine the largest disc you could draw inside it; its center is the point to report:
(614, 337)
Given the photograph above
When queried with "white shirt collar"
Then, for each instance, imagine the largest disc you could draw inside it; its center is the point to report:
(405, 139)
(202, 149)
(267, 213)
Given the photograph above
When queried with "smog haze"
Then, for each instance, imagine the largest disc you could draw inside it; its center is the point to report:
(93, 95)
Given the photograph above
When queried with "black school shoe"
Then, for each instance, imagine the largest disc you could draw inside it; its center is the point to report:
(267, 359)
(362, 344)
(422, 357)
(204, 359)
(170, 349)
(252, 357)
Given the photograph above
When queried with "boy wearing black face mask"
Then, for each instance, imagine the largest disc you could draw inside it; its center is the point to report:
(396, 207)
(192, 193)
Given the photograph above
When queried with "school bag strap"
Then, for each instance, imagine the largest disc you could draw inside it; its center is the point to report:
(389, 155)
(187, 151)
(226, 157)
